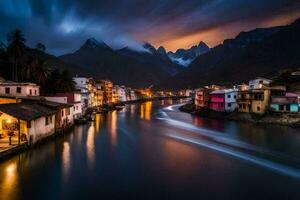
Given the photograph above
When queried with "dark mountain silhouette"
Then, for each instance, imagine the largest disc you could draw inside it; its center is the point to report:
(124, 66)
(96, 59)
(261, 52)
(186, 56)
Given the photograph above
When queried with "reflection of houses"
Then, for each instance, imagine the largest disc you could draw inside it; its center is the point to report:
(25, 121)
(223, 100)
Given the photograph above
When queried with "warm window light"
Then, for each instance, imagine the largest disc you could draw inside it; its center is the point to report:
(8, 121)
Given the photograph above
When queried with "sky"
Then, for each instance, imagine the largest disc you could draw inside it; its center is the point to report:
(64, 25)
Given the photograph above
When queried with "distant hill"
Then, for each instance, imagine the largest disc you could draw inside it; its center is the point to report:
(261, 52)
(124, 66)
(186, 56)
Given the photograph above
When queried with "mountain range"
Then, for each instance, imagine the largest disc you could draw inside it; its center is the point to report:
(184, 57)
(260, 52)
(123, 66)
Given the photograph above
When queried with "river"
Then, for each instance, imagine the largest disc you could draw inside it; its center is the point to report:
(153, 151)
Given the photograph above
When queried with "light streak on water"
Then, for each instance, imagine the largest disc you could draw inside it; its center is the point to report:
(279, 168)
(222, 138)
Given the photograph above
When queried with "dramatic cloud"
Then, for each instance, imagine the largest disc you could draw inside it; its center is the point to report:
(63, 25)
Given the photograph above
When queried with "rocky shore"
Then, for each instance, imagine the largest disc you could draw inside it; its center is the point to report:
(286, 119)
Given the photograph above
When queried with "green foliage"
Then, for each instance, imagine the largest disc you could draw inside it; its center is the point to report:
(15, 50)
(59, 82)
(33, 68)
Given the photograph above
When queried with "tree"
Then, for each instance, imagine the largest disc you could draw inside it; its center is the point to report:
(41, 47)
(16, 49)
(65, 82)
(59, 82)
(41, 70)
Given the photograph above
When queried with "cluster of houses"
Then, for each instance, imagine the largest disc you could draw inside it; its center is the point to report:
(258, 96)
(27, 117)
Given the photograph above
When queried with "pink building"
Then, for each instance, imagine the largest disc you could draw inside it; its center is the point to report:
(223, 100)
(217, 100)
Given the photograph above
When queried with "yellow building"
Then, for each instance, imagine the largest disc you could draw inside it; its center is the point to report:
(257, 100)
(106, 86)
(23, 122)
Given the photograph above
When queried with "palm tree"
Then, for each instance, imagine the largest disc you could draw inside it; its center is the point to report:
(41, 70)
(16, 49)
(65, 82)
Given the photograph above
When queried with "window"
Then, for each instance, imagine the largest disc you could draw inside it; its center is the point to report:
(229, 105)
(35, 92)
(68, 111)
(258, 108)
(244, 106)
(228, 96)
(7, 90)
(240, 106)
(234, 96)
(19, 90)
(281, 107)
(30, 92)
(48, 120)
(62, 113)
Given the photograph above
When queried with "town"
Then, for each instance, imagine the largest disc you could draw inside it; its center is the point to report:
(27, 117)
(259, 96)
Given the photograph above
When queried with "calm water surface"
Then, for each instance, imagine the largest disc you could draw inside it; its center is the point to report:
(153, 151)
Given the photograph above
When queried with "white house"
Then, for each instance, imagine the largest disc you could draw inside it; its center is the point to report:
(81, 82)
(120, 93)
(133, 96)
(19, 89)
(25, 122)
(73, 98)
(230, 100)
(258, 83)
(87, 89)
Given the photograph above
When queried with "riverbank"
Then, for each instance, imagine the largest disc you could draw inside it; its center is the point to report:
(7, 153)
(284, 119)
(104, 109)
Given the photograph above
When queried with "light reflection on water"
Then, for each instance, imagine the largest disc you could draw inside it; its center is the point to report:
(145, 110)
(66, 161)
(180, 154)
(90, 146)
(112, 122)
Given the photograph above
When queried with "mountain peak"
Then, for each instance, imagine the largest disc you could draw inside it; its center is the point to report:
(149, 47)
(92, 42)
(201, 43)
(162, 50)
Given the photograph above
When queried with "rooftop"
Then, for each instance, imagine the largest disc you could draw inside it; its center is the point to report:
(11, 83)
(26, 111)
